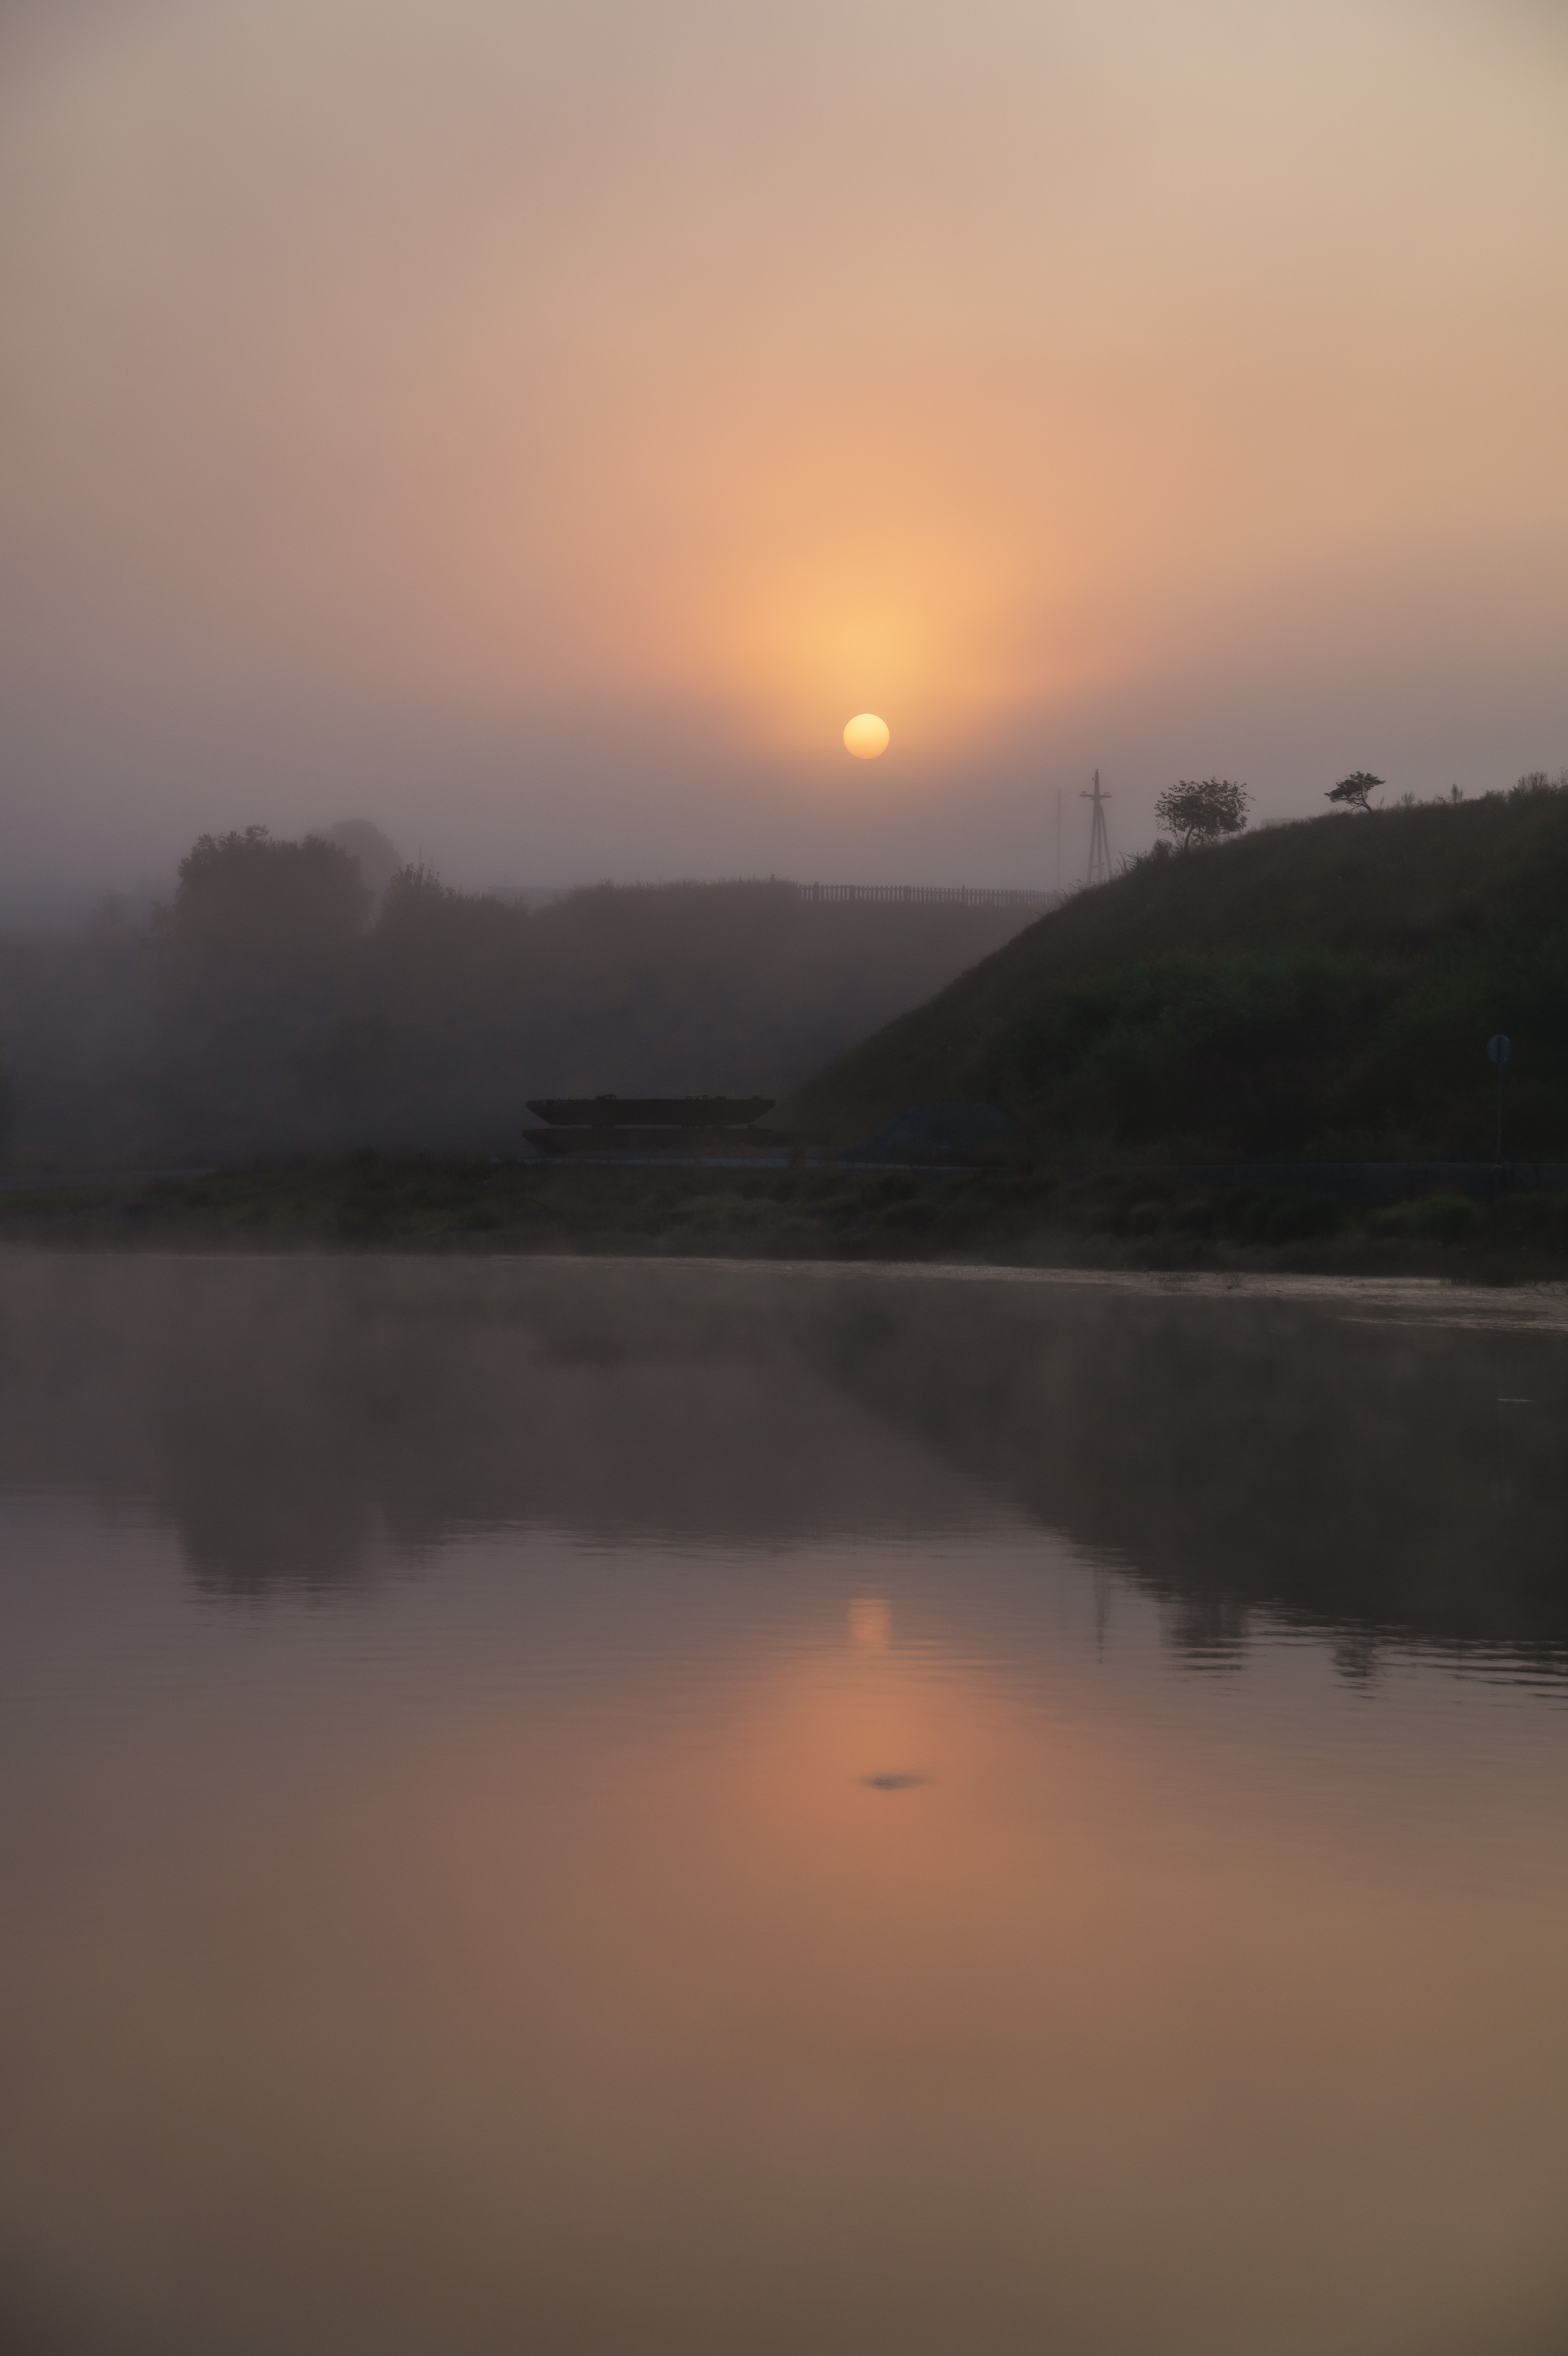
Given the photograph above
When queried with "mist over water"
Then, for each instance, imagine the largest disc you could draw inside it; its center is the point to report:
(578, 1805)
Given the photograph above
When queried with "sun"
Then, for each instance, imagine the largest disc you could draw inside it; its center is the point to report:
(867, 736)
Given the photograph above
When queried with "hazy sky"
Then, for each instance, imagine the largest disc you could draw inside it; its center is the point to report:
(539, 427)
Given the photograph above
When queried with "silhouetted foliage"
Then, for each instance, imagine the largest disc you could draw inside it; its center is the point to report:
(1355, 791)
(249, 896)
(256, 952)
(274, 1007)
(1201, 810)
(372, 852)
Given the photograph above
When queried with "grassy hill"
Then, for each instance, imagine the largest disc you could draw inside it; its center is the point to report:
(1324, 990)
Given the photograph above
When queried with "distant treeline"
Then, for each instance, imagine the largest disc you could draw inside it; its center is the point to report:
(278, 1003)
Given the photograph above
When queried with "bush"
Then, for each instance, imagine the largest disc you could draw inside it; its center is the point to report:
(1298, 1216)
(1433, 1218)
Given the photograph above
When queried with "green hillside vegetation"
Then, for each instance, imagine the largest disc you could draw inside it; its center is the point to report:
(1322, 990)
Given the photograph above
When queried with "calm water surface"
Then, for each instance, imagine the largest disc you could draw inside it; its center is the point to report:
(602, 1809)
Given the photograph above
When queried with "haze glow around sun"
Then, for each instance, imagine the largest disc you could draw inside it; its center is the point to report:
(867, 736)
(583, 406)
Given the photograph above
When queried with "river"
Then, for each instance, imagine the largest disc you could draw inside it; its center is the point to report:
(731, 1811)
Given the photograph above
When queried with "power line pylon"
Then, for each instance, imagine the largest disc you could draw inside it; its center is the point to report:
(1099, 840)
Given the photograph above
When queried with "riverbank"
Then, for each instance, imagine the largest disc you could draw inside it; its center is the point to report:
(1148, 1218)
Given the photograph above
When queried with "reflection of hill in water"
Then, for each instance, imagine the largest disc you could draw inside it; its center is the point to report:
(294, 1419)
(1237, 1453)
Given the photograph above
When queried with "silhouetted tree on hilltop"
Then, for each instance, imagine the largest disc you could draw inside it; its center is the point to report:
(1354, 791)
(1201, 810)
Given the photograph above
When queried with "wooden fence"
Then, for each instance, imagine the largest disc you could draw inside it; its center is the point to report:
(930, 896)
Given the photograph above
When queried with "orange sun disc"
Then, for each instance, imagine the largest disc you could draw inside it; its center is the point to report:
(866, 736)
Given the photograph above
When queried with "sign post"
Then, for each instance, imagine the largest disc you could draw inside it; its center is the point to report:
(1499, 1048)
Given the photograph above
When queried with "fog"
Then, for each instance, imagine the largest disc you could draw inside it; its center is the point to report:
(1357, 1468)
(324, 995)
(539, 428)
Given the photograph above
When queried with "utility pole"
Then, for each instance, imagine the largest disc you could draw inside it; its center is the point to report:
(1058, 843)
(1099, 840)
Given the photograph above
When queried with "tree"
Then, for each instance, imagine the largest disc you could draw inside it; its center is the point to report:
(1354, 790)
(247, 896)
(256, 951)
(1201, 810)
(375, 857)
